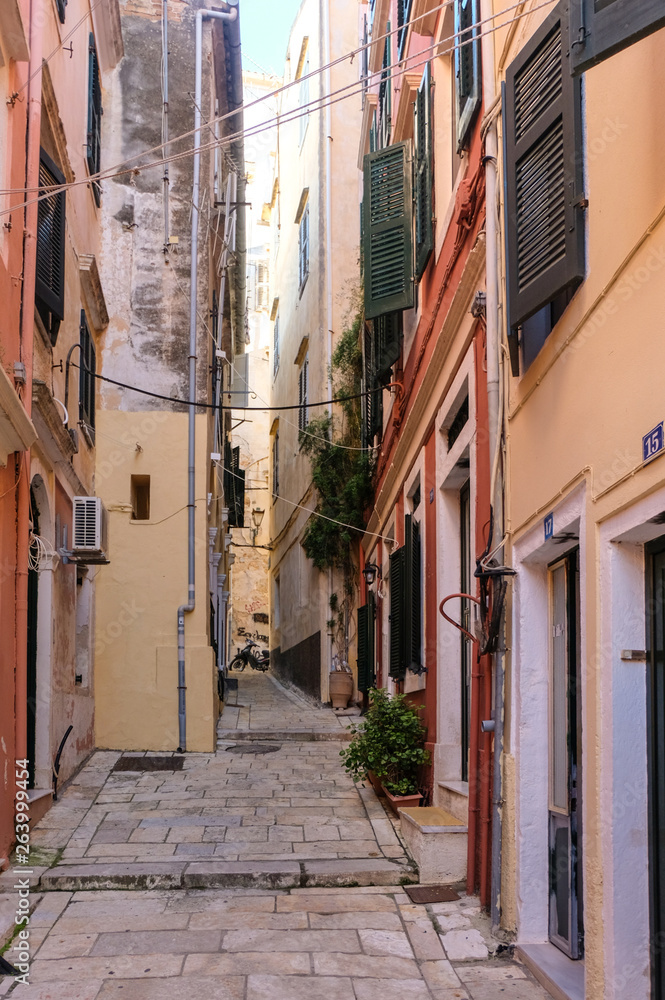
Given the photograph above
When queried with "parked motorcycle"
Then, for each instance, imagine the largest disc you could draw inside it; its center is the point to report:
(246, 656)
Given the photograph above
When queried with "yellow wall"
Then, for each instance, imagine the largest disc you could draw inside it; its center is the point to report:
(139, 592)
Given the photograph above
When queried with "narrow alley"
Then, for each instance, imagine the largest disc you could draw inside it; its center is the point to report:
(258, 872)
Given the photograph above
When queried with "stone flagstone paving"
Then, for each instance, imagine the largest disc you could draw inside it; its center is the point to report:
(147, 864)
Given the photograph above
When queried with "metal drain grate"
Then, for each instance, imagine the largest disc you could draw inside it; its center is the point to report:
(255, 748)
(431, 893)
(149, 764)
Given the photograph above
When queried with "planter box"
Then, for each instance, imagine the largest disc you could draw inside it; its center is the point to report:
(395, 802)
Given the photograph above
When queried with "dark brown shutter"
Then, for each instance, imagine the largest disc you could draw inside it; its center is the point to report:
(366, 645)
(387, 226)
(422, 130)
(544, 176)
(87, 374)
(599, 28)
(397, 614)
(93, 153)
(50, 283)
(467, 66)
(413, 595)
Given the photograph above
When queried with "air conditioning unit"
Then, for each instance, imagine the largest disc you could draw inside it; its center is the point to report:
(90, 531)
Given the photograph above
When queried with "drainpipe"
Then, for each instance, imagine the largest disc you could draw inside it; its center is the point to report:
(329, 294)
(33, 126)
(237, 152)
(191, 449)
(494, 418)
(165, 116)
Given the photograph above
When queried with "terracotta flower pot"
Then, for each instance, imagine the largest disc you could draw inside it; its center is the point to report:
(402, 801)
(341, 688)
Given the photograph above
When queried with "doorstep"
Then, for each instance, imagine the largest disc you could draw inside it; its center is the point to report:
(39, 803)
(561, 976)
(437, 842)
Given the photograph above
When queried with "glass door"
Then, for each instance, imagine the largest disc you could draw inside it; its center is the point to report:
(565, 841)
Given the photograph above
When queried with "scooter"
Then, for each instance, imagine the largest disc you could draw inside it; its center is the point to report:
(246, 656)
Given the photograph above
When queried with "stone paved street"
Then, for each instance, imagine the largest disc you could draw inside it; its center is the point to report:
(225, 880)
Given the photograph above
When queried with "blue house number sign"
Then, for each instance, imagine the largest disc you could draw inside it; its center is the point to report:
(549, 526)
(653, 443)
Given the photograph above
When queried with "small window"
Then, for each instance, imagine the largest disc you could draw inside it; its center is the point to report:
(94, 146)
(275, 466)
(140, 498)
(275, 348)
(87, 378)
(61, 4)
(302, 395)
(459, 422)
(303, 249)
(303, 99)
(403, 16)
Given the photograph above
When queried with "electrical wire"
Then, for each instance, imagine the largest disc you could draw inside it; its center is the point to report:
(316, 104)
(61, 45)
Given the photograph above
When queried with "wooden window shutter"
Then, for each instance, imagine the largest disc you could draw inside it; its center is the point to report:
(388, 336)
(467, 66)
(61, 4)
(422, 131)
(599, 29)
(387, 226)
(93, 152)
(544, 175)
(366, 645)
(50, 283)
(87, 374)
(403, 17)
(372, 407)
(302, 396)
(397, 614)
(413, 602)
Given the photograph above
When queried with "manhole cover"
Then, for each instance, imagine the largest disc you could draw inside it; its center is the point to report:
(149, 764)
(255, 748)
(431, 893)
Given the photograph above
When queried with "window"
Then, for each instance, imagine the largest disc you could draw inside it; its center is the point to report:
(61, 4)
(385, 92)
(422, 131)
(87, 377)
(366, 645)
(234, 487)
(261, 281)
(388, 340)
(387, 231)
(275, 347)
(93, 154)
(403, 15)
(303, 248)
(467, 67)
(50, 285)
(406, 604)
(599, 28)
(302, 395)
(544, 177)
(275, 466)
(303, 98)
(140, 496)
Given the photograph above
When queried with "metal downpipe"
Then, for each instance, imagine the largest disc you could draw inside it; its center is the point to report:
(191, 447)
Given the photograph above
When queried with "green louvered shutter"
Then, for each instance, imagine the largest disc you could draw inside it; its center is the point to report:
(50, 279)
(422, 130)
(397, 614)
(467, 66)
(94, 140)
(372, 406)
(387, 225)
(599, 28)
(413, 601)
(544, 172)
(366, 645)
(388, 339)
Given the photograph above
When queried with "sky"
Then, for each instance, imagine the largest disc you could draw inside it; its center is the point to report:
(264, 33)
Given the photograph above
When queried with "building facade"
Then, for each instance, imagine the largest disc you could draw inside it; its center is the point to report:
(173, 258)
(315, 293)
(583, 235)
(52, 324)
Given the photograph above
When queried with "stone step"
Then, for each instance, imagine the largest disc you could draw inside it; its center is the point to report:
(453, 796)
(437, 841)
(227, 874)
(285, 735)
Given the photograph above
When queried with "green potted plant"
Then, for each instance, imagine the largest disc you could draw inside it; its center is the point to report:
(389, 746)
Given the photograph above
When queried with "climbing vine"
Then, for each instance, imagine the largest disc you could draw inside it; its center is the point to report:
(341, 468)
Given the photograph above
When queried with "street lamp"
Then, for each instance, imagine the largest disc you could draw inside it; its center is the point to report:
(257, 517)
(370, 573)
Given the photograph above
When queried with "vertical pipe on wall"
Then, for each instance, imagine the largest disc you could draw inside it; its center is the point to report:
(27, 331)
(329, 292)
(165, 115)
(191, 445)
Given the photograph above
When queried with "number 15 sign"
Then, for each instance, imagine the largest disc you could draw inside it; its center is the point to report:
(653, 443)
